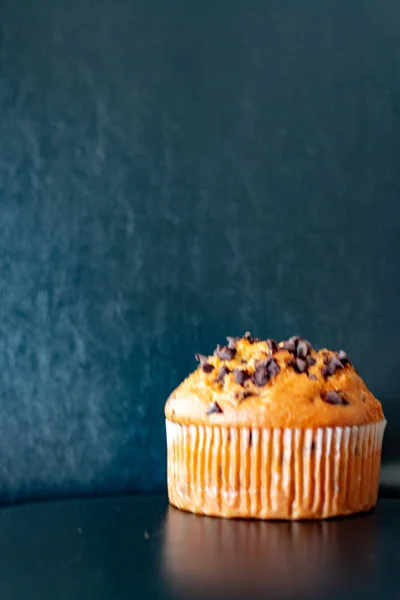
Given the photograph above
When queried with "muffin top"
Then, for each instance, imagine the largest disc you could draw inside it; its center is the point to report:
(259, 383)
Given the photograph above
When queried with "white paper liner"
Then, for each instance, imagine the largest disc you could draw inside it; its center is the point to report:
(274, 473)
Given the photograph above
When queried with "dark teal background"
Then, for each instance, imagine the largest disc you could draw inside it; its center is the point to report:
(170, 173)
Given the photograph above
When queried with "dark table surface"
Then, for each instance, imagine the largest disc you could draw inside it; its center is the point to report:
(138, 547)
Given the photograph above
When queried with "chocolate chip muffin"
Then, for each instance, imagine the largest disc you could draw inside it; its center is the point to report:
(273, 431)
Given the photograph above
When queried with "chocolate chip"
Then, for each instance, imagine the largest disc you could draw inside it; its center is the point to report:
(247, 336)
(221, 374)
(313, 377)
(291, 344)
(272, 346)
(325, 372)
(203, 360)
(272, 367)
(335, 363)
(264, 371)
(243, 395)
(204, 364)
(326, 357)
(332, 366)
(232, 341)
(303, 348)
(333, 397)
(214, 408)
(240, 376)
(260, 376)
(343, 357)
(310, 360)
(224, 353)
(301, 365)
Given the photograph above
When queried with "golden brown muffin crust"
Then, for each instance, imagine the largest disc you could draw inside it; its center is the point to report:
(257, 383)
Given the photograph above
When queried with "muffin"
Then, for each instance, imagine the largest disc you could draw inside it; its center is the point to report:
(273, 431)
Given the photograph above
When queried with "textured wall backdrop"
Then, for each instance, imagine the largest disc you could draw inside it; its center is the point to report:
(171, 173)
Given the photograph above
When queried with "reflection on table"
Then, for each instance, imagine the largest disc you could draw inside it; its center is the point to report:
(204, 556)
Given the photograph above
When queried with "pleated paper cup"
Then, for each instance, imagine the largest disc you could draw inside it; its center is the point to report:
(274, 473)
